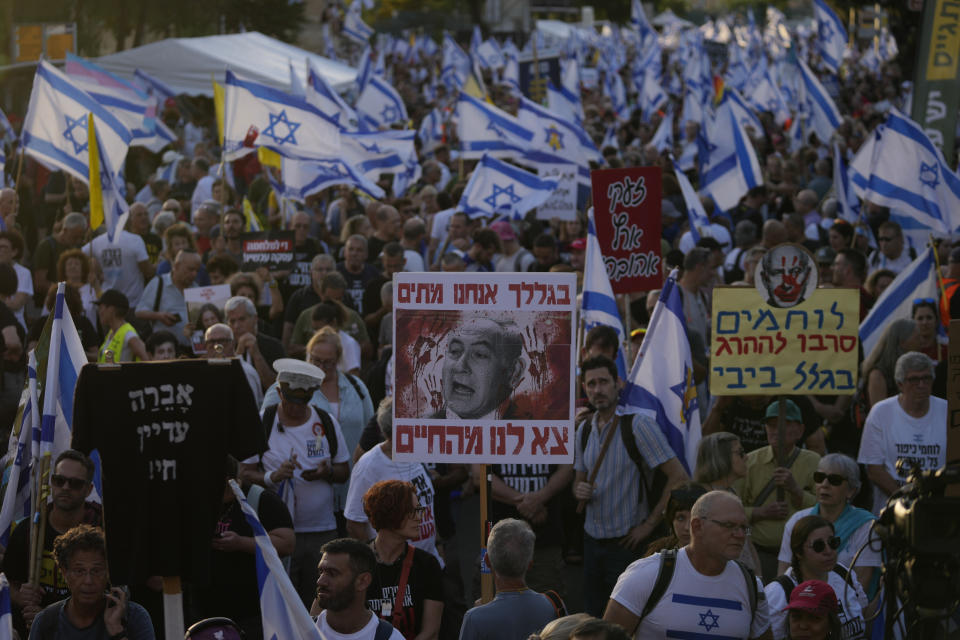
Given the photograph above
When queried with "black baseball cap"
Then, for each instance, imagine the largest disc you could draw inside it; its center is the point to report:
(114, 298)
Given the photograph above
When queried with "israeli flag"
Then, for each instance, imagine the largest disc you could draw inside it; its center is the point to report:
(456, 63)
(284, 615)
(661, 382)
(405, 179)
(302, 178)
(485, 129)
(766, 96)
(824, 117)
(256, 115)
(918, 280)
(498, 189)
(380, 106)
(6, 609)
(899, 167)
(431, 131)
(489, 55)
(652, 96)
(610, 138)
(365, 69)
(831, 35)
(105, 190)
(663, 137)
(849, 203)
(7, 134)
(696, 214)
(16, 503)
(728, 164)
(65, 358)
(373, 153)
(613, 86)
(743, 113)
(638, 19)
(556, 136)
(320, 94)
(354, 27)
(152, 86)
(598, 306)
(55, 129)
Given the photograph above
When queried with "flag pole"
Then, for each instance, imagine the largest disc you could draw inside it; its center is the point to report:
(39, 531)
(936, 262)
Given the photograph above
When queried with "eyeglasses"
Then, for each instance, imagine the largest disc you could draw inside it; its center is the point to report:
(885, 239)
(94, 572)
(918, 379)
(76, 484)
(924, 301)
(820, 545)
(418, 511)
(732, 526)
(834, 478)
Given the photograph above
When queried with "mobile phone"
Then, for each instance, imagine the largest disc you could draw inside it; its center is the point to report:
(176, 317)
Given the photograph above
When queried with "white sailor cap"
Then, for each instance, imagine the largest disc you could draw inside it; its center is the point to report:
(297, 374)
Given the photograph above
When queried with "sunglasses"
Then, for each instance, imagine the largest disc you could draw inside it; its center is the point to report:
(917, 301)
(76, 484)
(834, 478)
(820, 545)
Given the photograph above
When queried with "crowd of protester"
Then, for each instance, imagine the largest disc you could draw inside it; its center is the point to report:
(316, 345)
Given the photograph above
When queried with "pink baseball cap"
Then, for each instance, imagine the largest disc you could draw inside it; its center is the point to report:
(504, 230)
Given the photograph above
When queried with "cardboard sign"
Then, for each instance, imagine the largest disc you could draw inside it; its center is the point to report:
(271, 249)
(484, 367)
(626, 210)
(562, 204)
(759, 349)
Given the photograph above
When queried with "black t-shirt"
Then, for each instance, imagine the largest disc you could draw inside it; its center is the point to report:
(300, 274)
(356, 283)
(270, 348)
(300, 301)
(425, 582)
(745, 421)
(527, 478)
(154, 245)
(233, 590)
(88, 333)
(164, 430)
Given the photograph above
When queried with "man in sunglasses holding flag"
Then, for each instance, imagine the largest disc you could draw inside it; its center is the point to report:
(71, 483)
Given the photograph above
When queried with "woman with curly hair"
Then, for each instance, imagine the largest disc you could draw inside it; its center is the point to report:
(407, 586)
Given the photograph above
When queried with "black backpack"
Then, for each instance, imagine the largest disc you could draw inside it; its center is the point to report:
(270, 413)
(653, 491)
(668, 563)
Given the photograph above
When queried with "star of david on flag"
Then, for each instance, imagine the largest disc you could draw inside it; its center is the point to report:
(281, 119)
(496, 189)
(76, 126)
(301, 178)
(379, 104)
(485, 129)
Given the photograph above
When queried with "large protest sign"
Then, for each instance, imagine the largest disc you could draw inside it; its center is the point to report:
(626, 210)
(197, 298)
(271, 249)
(562, 204)
(484, 367)
(758, 348)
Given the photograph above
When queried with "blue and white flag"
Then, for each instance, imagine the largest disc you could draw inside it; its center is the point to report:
(556, 139)
(652, 95)
(899, 167)
(728, 164)
(456, 63)
(489, 55)
(638, 20)
(766, 96)
(743, 113)
(152, 86)
(662, 138)
(824, 117)
(696, 214)
(365, 68)
(661, 382)
(615, 90)
(598, 306)
(256, 115)
(610, 138)
(918, 280)
(20, 458)
(380, 106)
(7, 134)
(354, 26)
(831, 35)
(284, 615)
(115, 206)
(6, 609)
(320, 94)
(301, 178)
(55, 129)
(377, 152)
(431, 131)
(297, 87)
(498, 189)
(848, 203)
(485, 129)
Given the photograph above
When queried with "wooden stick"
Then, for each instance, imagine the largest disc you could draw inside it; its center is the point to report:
(486, 576)
(38, 532)
(172, 608)
(603, 453)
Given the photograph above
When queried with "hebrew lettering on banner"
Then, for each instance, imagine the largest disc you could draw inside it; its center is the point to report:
(807, 349)
(152, 407)
(484, 367)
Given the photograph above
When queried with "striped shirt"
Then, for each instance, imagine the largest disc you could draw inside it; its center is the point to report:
(615, 506)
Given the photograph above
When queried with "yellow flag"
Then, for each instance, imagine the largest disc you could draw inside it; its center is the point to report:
(474, 87)
(96, 189)
(218, 94)
(250, 216)
(269, 158)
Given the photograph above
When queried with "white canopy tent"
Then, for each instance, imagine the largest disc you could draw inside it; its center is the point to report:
(187, 65)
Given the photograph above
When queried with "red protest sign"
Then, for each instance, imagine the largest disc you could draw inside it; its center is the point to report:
(626, 211)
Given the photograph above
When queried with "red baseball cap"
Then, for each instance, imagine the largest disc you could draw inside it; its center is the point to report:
(813, 596)
(580, 244)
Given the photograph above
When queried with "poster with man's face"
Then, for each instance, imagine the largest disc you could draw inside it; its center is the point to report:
(786, 275)
(483, 367)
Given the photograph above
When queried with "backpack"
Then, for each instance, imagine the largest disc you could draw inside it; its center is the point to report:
(143, 327)
(787, 584)
(653, 492)
(270, 413)
(668, 563)
(384, 630)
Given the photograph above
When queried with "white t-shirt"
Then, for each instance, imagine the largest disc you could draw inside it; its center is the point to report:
(312, 508)
(890, 434)
(870, 557)
(852, 601)
(878, 260)
(201, 193)
(694, 605)
(438, 230)
(375, 466)
(350, 359)
(716, 231)
(24, 285)
(120, 263)
(367, 633)
(414, 262)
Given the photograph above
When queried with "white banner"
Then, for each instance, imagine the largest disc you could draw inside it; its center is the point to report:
(563, 203)
(484, 367)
